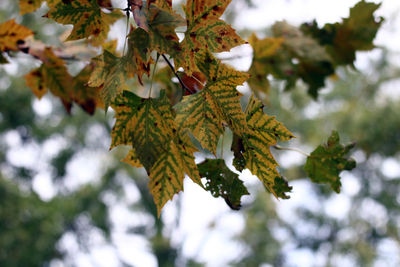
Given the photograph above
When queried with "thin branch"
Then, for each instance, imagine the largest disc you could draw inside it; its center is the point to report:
(176, 75)
(277, 147)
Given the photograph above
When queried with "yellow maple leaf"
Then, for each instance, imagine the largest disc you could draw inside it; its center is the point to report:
(167, 154)
(86, 16)
(12, 34)
(205, 112)
(205, 31)
(34, 80)
(254, 148)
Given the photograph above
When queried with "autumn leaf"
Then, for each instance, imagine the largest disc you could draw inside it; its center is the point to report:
(162, 22)
(355, 33)
(111, 72)
(148, 126)
(314, 63)
(34, 80)
(86, 16)
(253, 148)
(205, 112)
(205, 31)
(221, 181)
(12, 34)
(52, 75)
(327, 161)
(289, 55)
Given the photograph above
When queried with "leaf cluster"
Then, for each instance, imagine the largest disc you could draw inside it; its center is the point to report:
(164, 128)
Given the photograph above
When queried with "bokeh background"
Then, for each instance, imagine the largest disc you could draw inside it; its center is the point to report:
(65, 200)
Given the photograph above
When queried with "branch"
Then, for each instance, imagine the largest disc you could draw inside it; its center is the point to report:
(277, 147)
(176, 75)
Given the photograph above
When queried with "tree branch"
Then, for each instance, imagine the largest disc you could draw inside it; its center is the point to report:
(176, 75)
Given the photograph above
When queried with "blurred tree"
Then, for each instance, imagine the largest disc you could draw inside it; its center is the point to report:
(32, 226)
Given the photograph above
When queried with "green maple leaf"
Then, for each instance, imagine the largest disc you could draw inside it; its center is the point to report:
(148, 126)
(205, 31)
(86, 16)
(327, 161)
(221, 181)
(205, 112)
(252, 149)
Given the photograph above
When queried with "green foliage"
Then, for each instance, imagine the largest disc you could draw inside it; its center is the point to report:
(327, 161)
(310, 53)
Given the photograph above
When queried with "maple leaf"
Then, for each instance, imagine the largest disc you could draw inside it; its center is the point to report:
(148, 126)
(12, 34)
(205, 112)
(289, 55)
(253, 148)
(34, 80)
(53, 75)
(110, 73)
(205, 31)
(327, 161)
(162, 21)
(314, 63)
(86, 16)
(355, 33)
(221, 181)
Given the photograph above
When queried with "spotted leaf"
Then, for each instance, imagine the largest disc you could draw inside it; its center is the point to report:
(205, 112)
(327, 161)
(253, 148)
(205, 31)
(12, 34)
(86, 16)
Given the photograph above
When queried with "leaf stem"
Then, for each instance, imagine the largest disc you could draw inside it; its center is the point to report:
(176, 75)
(127, 27)
(277, 147)
(152, 76)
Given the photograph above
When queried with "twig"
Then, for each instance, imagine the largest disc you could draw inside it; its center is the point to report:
(277, 147)
(176, 75)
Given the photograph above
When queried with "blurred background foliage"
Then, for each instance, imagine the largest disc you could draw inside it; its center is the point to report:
(46, 207)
